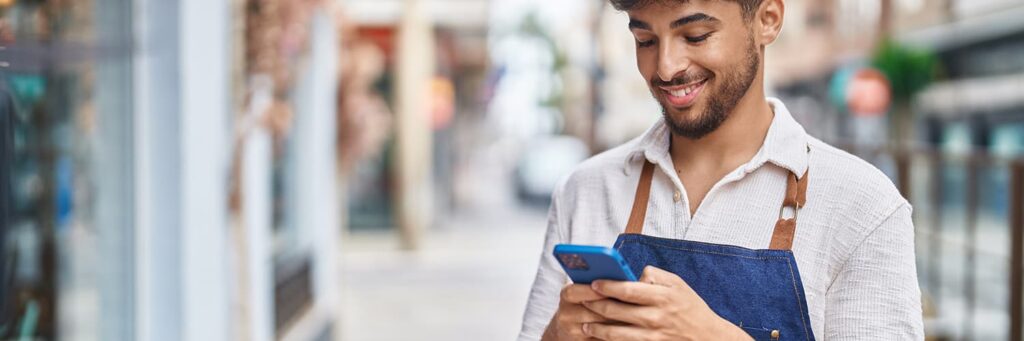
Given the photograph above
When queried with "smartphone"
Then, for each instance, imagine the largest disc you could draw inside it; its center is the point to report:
(585, 263)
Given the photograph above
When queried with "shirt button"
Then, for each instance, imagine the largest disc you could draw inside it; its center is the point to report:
(677, 196)
(775, 335)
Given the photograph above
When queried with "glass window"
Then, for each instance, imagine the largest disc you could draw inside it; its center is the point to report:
(67, 243)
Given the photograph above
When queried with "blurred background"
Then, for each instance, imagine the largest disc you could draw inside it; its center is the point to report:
(381, 169)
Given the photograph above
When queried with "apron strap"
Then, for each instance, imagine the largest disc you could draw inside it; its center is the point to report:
(785, 228)
(635, 225)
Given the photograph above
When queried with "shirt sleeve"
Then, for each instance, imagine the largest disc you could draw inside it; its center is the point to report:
(875, 295)
(547, 286)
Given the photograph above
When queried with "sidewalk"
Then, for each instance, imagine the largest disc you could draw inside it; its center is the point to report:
(469, 281)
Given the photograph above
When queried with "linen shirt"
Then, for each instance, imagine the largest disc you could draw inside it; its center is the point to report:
(854, 242)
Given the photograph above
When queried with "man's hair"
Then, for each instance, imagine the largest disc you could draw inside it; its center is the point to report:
(749, 6)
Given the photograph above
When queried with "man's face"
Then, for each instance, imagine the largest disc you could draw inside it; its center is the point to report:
(699, 59)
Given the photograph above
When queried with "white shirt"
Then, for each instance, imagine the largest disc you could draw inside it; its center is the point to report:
(854, 242)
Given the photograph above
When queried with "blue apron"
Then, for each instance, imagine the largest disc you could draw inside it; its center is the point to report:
(757, 290)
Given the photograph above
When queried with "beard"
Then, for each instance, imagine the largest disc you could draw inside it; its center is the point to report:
(720, 103)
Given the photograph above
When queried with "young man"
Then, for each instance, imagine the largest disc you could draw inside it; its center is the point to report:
(741, 224)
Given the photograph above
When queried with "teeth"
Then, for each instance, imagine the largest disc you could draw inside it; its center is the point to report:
(685, 91)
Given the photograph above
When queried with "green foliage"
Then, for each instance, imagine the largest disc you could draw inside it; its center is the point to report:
(531, 27)
(909, 70)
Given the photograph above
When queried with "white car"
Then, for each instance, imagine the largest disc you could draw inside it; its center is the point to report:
(544, 163)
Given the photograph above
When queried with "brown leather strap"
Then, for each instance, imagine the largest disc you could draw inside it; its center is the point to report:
(796, 191)
(782, 236)
(785, 229)
(635, 225)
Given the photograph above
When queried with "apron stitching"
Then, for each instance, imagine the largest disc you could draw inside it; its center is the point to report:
(713, 252)
(668, 242)
(799, 306)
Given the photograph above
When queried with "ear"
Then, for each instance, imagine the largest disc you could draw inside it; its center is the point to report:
(768, 21)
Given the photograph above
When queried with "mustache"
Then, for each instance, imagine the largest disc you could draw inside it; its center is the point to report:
(685, 78)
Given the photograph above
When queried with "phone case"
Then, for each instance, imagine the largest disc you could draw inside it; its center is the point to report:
(585, 264)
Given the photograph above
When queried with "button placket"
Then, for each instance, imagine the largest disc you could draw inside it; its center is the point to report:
(681, 211)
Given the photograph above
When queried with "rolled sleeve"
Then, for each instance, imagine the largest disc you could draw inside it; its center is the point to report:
(875, 295)
(544, 294)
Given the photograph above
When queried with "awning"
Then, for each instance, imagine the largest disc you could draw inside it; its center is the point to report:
(973, 95)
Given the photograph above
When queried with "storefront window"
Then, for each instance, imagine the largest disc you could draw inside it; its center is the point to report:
(67, 240)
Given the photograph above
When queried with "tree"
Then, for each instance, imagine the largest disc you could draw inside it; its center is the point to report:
(909, 71)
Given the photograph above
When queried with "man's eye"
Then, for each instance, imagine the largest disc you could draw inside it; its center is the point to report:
(647, 43)
(698, 39)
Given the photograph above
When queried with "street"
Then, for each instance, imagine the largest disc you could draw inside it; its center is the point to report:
(469, 281)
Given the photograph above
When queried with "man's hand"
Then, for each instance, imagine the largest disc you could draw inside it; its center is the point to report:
(571, 315)
(660, 306)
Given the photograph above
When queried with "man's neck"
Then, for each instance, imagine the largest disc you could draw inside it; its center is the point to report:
(734, 143)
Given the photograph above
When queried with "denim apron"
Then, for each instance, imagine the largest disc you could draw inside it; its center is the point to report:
(758, 290)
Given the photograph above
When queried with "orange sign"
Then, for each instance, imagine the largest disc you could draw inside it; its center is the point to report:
(869, 93)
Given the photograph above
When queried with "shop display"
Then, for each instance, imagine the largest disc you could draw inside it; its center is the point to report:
(48, 82)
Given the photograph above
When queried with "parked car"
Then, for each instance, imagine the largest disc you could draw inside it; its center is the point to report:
(544, 163)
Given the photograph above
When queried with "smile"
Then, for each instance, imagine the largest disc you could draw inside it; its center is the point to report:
(685, 95)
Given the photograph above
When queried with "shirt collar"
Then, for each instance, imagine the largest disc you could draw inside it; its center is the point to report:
(785, 145)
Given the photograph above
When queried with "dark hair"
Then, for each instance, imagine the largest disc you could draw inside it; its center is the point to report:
(749, 6)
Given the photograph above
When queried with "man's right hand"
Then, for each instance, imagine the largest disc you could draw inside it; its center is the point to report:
(567, 324)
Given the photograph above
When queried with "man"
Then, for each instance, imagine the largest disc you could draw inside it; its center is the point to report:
(726, 173)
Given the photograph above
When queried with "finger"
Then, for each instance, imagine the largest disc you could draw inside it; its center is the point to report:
(570, 320)
(643, 316)
(579, 293)
(633, 292)
(575, 314)
(616, 332)
(654, 275)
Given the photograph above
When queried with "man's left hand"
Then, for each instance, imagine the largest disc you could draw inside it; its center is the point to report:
(660, 306)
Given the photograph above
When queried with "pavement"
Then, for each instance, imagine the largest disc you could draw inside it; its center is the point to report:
(468, 281)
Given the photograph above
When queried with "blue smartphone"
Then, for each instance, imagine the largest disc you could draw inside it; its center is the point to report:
(585, 263)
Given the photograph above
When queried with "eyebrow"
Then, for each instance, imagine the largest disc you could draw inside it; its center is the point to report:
(637, 24)
(689, 19)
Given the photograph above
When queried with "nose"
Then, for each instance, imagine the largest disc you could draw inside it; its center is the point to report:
(672, 61)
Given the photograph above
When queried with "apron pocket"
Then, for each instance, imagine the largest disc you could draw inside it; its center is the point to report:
(764, 334)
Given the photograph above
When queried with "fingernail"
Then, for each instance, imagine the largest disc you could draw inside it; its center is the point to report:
(586, 328)
(593, 285)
